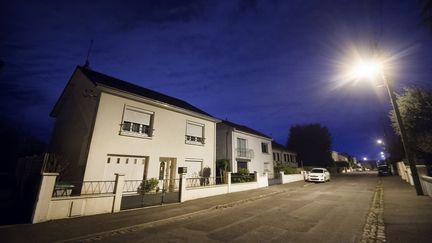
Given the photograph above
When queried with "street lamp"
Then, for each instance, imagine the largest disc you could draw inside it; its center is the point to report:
(370, 70)
(379, 141)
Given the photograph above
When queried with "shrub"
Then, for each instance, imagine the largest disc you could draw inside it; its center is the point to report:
(148, 185)
(242, 175)
(290, 170)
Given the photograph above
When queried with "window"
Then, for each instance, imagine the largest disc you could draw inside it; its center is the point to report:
(264, 148)
(137, 122)
(286, 157)
(242, 165)
(241, 147)
(278, 156)
(274, 156)
(194, 133)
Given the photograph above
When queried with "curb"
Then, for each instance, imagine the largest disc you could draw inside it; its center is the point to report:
(374, 229)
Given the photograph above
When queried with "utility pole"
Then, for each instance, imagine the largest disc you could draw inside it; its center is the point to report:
(404, 138)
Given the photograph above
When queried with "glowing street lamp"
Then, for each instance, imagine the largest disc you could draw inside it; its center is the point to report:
(380, 141)
(364, 158)
(370, 70)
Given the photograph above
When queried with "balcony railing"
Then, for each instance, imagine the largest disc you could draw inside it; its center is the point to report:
(245, 153)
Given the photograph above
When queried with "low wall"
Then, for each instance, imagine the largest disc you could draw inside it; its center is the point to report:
(65, 207)
(238, 187)
(291, 178)
(208, 191)
(48, 207)
(426, 182)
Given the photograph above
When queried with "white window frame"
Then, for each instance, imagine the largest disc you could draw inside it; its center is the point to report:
(141, 130)
(266, 146)
(194, 140)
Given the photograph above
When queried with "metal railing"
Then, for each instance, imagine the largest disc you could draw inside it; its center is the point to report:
(241, 178)
(244, 153)
(204, 181)
(64, 189)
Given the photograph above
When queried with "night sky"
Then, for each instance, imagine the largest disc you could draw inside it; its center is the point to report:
(265, 64)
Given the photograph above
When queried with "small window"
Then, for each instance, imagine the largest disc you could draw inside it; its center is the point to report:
(135, 161)
(194, 133)
(137, 122)
(242, 165)
(264, 148)
(108, 160)
(118, 160)
(127, 161)
(274, 156)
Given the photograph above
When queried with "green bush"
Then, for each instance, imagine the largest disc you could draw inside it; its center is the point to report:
(290, 170)
(287, 170)
(242, 175)
(148, 185)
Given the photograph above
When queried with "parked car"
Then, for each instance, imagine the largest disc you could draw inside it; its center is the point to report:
(383, 170)
(318, 175)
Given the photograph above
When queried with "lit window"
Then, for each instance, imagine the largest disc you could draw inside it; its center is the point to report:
(137, 122)
(194, 133)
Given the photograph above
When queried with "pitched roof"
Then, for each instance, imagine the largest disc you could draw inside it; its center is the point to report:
(114, 83)
(245, 129)
(281, 147)
(278, 146)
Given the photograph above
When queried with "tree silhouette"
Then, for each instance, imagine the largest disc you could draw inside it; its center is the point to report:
(415, 105)
(312, 142)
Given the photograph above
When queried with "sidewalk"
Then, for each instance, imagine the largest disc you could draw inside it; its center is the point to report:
(407, 217)
(72, 228)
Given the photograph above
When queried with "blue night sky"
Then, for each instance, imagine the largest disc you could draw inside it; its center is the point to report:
(265, 64)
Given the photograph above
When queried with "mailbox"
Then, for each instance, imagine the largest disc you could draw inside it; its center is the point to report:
(182, 170)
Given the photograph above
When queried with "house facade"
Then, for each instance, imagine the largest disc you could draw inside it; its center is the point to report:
(244, 148)
(281, 155)
(105, 126)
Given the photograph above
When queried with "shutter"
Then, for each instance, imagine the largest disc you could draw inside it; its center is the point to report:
(194, 130)
(137, 117)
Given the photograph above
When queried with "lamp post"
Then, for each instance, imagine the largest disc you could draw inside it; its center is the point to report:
(370, 70)
(404, 137)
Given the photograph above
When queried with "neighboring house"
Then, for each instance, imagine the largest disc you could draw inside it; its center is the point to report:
(281, 155)
(342, 161)
(104, 126)
(244, 148)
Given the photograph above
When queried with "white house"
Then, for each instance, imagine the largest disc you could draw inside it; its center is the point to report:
(281, 155)
(104, 126)
(244, 148)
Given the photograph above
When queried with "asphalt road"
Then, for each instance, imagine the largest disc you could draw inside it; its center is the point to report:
(325, 212)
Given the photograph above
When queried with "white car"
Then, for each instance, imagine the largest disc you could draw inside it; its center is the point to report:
(318, 175)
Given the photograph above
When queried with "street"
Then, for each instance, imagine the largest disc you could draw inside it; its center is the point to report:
(325, 212)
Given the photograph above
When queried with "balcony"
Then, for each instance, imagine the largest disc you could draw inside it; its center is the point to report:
(244, 153)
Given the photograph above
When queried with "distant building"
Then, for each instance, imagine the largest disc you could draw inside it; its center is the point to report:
(244, 147)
